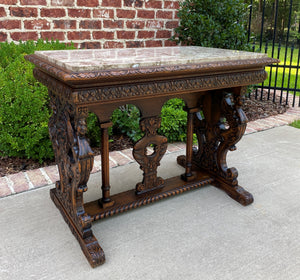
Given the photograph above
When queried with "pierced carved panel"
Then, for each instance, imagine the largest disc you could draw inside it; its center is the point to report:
(150, 162)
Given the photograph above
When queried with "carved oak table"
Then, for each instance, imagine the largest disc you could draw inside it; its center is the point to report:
(212, 83)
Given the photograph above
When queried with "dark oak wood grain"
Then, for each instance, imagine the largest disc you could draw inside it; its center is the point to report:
(213, 93)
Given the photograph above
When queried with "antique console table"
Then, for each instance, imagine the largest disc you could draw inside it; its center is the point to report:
(212, 83)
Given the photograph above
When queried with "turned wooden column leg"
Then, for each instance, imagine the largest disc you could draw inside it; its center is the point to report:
(188, 175)
(105, 201)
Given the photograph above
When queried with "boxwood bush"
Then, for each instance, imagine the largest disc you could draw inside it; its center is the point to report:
(24, 110)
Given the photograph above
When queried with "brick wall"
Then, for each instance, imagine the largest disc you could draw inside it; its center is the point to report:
(90, 23)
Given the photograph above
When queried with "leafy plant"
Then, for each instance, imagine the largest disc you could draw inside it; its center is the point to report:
(24, 111)
(173, 120)
(213, 23)
(126, 120)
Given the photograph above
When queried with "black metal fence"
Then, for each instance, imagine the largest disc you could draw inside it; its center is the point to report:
(274, 28)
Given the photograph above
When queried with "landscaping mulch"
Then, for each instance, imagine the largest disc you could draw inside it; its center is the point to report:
(254, 109)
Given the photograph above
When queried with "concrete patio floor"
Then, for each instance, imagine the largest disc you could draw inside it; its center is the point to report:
(202, 234)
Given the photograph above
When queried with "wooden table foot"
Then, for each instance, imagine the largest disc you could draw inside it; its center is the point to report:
(89, 245)
(237, 193)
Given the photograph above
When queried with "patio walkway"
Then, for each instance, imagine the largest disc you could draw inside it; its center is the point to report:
(202, 234)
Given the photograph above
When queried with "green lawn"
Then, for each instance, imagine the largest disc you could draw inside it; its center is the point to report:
(287, 75)
(296, 124)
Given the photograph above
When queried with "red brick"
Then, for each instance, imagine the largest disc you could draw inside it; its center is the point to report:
(172, 148)
(37, 24)
(154, 24)
(128, 153)
(8, 2)
(4, 189)
(53, 12)
(103, 13)
(153, 4)
(171, 5)
(10, 24)
(113, 44)
(90, 45)
(125, 34)
(90, 24)
(79, 35)
(134, 3)
(170, 44)
(52, 172)
(145, 34)
(23, 12)
(145, 14)
(33, 2)
(2, 12)
(103, 35)
(79, 13)
(164, 14)
(20, 183)
(180, 145)
(64, 24)
(111, 3)
(172, 24)
(53, 35)
(135, 44)
(113, 24)
(163, 34)
(37, 178)
(119, 158)
(3, 37)
(126, 13)
(24, 36)
(153, 44)
(135, 24)
(68, 3)
(88, 3)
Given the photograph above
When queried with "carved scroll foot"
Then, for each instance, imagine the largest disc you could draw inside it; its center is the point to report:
(89, 245)
(237, 193)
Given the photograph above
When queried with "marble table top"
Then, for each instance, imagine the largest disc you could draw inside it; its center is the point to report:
(108, 59)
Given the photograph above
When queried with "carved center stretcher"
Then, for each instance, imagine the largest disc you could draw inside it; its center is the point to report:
(212, 83)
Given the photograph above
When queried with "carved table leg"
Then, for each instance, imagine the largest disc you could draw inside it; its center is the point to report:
(67, 127)
(222, 126)
(149, 163)
(105, 201)
(188, 175)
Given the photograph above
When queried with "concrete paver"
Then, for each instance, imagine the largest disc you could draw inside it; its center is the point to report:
(202, 234)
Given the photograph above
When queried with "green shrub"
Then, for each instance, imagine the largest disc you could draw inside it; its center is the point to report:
(173, 120)
(126, 120)
(24, 111)
(213, 23)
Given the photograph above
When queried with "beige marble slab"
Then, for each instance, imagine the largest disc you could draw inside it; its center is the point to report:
(105, 59)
